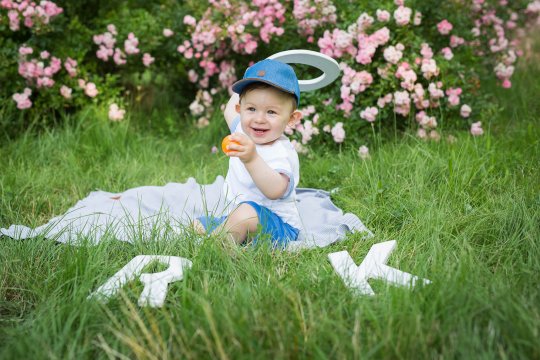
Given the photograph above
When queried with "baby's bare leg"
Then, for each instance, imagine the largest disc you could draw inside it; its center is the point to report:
(198, 227)
(240, 222)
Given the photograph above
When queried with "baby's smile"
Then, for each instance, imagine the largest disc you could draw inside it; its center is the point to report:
(259, 131)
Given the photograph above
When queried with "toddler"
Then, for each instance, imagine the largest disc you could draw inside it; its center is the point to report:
(263, 166)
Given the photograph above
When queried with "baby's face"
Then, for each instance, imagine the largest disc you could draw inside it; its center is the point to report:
(264, 114)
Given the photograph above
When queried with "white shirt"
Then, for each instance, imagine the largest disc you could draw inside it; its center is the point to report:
(280, 156)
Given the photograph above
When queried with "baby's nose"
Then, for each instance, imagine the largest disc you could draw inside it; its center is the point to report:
(260, 117)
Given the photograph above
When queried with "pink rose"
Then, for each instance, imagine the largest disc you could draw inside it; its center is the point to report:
(119, 57)
(190, 20)
(428, 122)
(369, 113)
(455, 41)
(44, 82)
(14, 21)
(402, 15)
(381, 36)
(392, 54)
(444, 27)
(429, 68)
(251, 46)
(338, 133)
(465, 111)
(402, 102)
(192, 76)
(91, 90)
(25, 50)
(147, 59)
(112, 29)
(426, 51)
(382, 101)
(363, 152)
(66, 91)
(103, 53)
(168, 32)
(115, 113)
(476, 129)
(453, 96)
(447, 53)
(23, 99)
(71, 66)
(382, 15)
(130, 45)
(417, 20)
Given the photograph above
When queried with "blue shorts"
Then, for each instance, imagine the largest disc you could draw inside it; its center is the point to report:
(271, 224)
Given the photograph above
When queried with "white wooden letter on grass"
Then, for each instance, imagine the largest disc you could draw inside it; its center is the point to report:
(155, 284)
(373, 267)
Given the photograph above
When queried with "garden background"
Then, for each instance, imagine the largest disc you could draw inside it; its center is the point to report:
(430, 136)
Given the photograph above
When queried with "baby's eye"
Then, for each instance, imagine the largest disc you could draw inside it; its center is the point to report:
(272, 112)
(251, 108)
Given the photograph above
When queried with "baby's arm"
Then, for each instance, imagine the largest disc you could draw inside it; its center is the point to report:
(271, 183)
(230, 109)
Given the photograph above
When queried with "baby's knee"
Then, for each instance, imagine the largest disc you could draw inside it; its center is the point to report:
(241, 221)
(246, 215)
(198, 227)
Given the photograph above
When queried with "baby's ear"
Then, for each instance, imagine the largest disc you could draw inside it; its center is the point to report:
(295, 118)
(237, 108)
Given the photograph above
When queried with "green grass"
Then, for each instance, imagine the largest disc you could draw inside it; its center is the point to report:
(465, 215)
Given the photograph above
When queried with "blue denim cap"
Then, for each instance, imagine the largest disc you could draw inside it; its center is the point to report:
(272, 72)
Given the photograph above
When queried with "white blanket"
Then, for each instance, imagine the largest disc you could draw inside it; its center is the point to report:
(141, 212)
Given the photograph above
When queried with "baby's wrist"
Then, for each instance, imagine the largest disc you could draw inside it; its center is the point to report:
(250, 159)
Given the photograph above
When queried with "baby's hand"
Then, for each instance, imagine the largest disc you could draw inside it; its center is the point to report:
(244, 148)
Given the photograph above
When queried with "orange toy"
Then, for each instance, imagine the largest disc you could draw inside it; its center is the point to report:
(226, 141)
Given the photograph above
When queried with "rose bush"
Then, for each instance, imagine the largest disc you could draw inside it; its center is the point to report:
(50, 74)
(416, 65)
